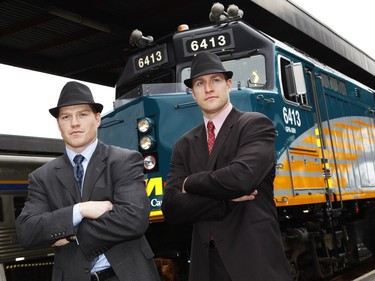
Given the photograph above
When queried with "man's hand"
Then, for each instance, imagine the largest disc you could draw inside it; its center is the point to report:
(94, 209)
(61, 242)
(246, 197)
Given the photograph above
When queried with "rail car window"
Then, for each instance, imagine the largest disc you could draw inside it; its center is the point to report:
(334, 85)
(250, 71)
(1, 210)
(325, 80)
(18, 203)
(342, 88)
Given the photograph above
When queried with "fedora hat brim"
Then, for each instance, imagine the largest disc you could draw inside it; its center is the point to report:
(206, 63)
(189, 82)
(55, 111)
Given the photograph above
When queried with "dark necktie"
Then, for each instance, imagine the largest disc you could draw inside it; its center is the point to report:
(78, 169)
(211, 136)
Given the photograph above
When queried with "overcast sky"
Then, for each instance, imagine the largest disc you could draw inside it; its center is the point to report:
(26, 96)
(352, 20)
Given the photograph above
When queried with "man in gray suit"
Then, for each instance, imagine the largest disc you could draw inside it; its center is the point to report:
(215, 169)
(90, 203)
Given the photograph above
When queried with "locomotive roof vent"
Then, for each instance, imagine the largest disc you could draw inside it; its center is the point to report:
(218, 14)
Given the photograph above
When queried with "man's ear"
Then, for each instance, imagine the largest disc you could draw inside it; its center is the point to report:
(98, 118)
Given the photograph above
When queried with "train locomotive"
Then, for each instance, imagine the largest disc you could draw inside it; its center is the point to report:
(325, 145)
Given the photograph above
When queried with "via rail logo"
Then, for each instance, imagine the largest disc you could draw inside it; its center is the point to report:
(154, 189)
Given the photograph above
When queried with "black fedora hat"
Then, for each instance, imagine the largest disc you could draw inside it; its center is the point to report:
(74, 93)
(206, 63)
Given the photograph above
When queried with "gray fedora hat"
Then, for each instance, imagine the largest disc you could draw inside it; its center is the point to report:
(206, 63)
(74, 93)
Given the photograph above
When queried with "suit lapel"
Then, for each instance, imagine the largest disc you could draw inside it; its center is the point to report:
(65, 175)
(200, 146)
(94, 170)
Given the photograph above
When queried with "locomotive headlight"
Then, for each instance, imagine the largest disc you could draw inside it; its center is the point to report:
(149, 162)
(147, 142)
(144, 125)
(146, 131)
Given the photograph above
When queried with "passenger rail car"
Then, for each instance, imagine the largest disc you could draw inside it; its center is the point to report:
(325, 146)
(19, 156)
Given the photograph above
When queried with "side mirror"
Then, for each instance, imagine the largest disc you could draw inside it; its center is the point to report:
(296, 79)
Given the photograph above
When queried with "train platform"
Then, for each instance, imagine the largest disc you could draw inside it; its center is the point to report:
(370, 276)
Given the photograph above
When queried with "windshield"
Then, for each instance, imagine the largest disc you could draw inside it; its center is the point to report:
(249, 72)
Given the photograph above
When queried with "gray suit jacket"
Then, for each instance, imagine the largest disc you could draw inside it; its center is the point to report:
(113, 174)
(247, 234)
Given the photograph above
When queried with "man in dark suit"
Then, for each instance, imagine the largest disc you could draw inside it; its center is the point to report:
(235, 237)
(90, 203)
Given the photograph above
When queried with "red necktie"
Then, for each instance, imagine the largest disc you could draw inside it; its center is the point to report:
(211, 135)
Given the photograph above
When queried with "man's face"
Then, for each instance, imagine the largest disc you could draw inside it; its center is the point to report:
(78, 126)
(211, 92)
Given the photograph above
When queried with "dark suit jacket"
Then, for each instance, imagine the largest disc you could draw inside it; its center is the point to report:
(113, 174)
(247, 234)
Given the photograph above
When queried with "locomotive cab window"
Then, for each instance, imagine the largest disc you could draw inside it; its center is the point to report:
(249, 71)
(257, 71)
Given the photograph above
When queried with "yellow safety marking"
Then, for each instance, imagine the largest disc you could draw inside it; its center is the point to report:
(156, 215)
(346, 126)
(318, 142)
(299, 200)
(329, 182)
(305, 182)
(341, 155)
(359, 122)
(345, 144)
(282, 182)
(348, 135)
(336, 133)
(303, 199)
(14, 266)
(310, 139)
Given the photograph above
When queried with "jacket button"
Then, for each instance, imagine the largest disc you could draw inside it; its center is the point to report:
(87, 270)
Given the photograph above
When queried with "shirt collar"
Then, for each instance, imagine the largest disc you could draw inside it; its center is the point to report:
(87, 152)
(219, 119)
